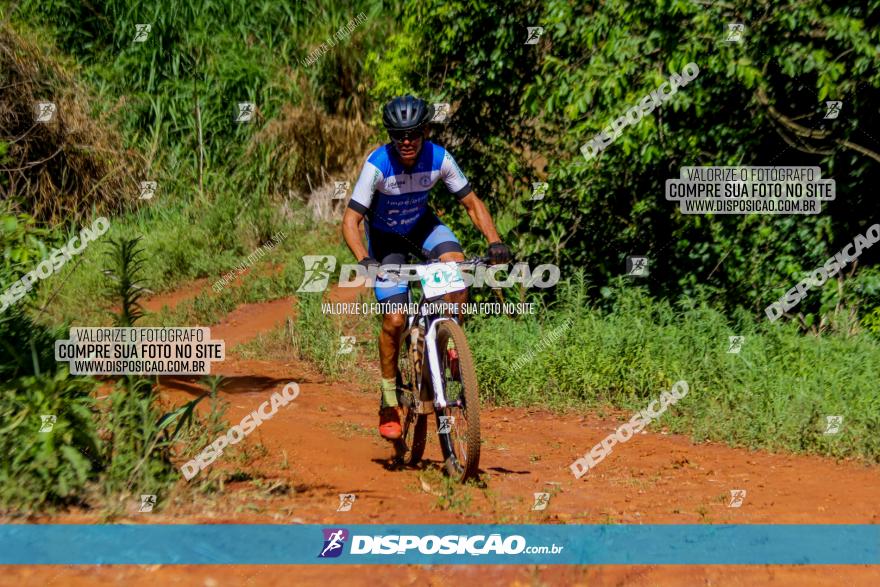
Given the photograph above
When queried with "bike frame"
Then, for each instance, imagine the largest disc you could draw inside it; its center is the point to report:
(429, 322)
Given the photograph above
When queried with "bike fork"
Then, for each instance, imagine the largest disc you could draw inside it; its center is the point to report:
(434, 365)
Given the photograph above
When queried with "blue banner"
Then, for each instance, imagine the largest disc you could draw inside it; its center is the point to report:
(66, 544)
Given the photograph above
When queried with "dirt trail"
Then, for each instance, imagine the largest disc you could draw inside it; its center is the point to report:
(324, 443)
(171, 299)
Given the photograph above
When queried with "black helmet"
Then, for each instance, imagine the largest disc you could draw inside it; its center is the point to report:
(406, 112)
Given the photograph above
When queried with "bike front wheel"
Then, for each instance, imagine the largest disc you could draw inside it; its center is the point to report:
(458, 424)
(410, 447)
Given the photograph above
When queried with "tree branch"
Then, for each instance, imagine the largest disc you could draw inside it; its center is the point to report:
(809, 133)
(863, 150)
(788, 122)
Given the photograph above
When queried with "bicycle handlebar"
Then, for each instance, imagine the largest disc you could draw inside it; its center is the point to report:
(396, 278)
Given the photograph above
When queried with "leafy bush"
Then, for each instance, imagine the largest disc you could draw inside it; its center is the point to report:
(521, 112)
(114, 447)
(45, 469)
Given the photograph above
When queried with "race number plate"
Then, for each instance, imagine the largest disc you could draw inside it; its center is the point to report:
(440, 278)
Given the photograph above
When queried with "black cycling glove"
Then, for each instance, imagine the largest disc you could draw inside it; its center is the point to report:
(499, 253)
(368, 262)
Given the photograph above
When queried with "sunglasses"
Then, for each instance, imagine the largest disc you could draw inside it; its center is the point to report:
(398, 136)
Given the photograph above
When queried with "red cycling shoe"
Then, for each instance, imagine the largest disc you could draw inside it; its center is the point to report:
(389, 423)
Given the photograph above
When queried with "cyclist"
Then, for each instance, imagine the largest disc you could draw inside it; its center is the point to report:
(392, 193)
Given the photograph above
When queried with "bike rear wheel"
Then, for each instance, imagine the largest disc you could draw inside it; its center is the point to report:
(460, 445)
(410, 447)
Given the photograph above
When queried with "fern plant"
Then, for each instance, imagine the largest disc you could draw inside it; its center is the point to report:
(127, 262)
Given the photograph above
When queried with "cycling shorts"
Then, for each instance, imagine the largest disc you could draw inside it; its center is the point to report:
(428, 239)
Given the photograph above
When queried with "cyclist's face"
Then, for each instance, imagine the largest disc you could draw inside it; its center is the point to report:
(408, 144)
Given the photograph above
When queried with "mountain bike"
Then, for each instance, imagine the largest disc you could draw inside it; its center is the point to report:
(436, 376)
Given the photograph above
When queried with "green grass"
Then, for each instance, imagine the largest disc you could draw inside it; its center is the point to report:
(181, 245)
(774, 394)
(316, 338)
(348, 430)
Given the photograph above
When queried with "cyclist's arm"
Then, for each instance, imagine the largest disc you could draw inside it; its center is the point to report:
(351, 232)
(358, 205)
(480, 216)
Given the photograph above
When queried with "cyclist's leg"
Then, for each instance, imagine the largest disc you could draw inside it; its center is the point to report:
(389, 338)
(388, 292)
(389, 349)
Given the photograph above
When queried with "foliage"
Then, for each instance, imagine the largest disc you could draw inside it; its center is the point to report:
(774, 394)
(164, 110)
(70, 165)
(520, 107)
(114, 448)
(127, 261)
(177, 92)
(39, 469)
(42, 469)
(316, 338)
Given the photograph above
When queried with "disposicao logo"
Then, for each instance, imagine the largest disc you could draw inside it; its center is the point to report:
(334, 541)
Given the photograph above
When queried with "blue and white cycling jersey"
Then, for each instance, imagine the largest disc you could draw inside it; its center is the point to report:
(394, 198)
